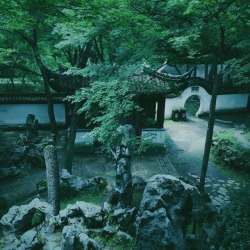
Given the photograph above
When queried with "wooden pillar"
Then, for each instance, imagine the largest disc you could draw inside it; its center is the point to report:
(160, 112)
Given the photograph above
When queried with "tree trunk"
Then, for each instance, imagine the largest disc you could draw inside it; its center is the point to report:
(209, 135)
(72, 137)
(52, 171)
(45, 77)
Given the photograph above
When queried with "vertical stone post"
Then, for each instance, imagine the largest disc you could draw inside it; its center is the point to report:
(123, 184)
(52, 171)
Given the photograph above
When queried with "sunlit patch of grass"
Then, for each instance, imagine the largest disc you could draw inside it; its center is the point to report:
(90, 196)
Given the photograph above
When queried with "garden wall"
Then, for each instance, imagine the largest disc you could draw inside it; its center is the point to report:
(17, 113)
(224, 102)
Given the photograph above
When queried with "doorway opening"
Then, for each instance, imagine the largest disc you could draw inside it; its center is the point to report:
(192, 105)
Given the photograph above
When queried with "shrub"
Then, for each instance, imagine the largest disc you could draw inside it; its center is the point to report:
(147, 147)
(228, 150)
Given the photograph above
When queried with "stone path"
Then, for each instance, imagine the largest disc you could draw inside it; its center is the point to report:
(185, 149)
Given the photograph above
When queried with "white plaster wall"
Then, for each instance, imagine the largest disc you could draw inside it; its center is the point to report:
(155, 135)
(179, 101)
(224, 102)
(84, 137)
(17, 113)
(233, 101)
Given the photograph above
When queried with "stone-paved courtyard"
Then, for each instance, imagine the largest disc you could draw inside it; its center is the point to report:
(186, 141)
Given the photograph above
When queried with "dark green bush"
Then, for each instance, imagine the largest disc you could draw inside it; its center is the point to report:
(147, 147)
(230, 152)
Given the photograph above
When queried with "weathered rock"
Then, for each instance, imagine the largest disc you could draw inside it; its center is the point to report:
(19, 154)
(107, 207)
(74, 236)
(126, 219)
(69, 235)
(167, 208)
(91, 215)
(109, 231)
(153, 231)
(94, 216)
(52, 241)
(87, 243)
(19, 218)
(29, 240)
(138, 182)
(35, 159)
(124, 235)
(122, 195)
(123, 184)
(9, 172)
(78, 184)
(69, 212)
(75, 182)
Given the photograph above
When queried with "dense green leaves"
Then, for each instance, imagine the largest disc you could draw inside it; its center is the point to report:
(107, 38)
(108, 105)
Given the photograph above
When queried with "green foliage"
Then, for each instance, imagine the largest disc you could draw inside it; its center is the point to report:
(233, 225)
(229, 150)
(147, 147)
(123, 33)
(108, 105)
(226, 135)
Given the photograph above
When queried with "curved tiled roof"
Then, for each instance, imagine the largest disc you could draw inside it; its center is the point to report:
(223, 88)
(150, 85)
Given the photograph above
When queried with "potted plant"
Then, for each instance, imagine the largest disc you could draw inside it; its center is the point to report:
(175, 114)
(182, 114)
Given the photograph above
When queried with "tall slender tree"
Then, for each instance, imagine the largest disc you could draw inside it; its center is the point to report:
(209, 135)
(31, 22)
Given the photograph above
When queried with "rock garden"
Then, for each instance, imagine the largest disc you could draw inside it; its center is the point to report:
(163, 212)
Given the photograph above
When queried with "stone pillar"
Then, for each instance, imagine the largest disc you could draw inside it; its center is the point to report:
(123, 184)
(52, 171)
